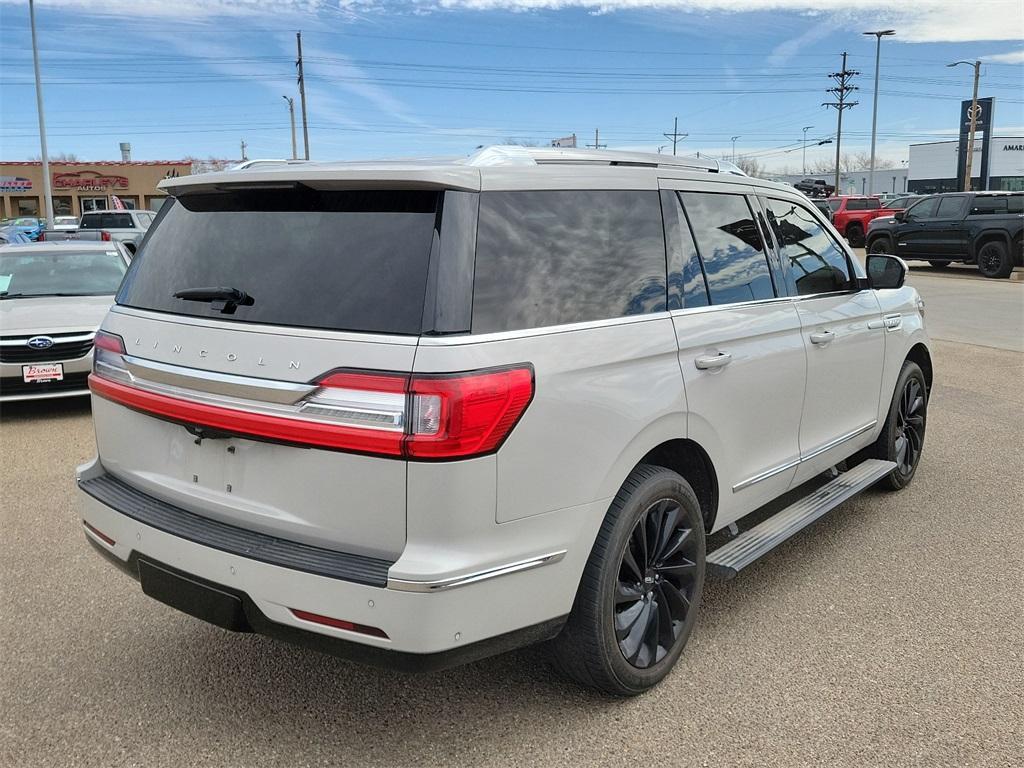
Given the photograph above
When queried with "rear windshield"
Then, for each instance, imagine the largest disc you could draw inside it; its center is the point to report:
(107, 221)
(351, 260)
(64, 272)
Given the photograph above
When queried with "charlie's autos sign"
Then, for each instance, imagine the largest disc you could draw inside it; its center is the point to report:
(89, 181)
(982, 114)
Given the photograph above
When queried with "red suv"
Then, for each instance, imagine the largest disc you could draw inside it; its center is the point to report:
(851, 214)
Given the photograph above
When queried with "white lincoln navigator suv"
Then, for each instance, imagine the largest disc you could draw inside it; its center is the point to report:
(418, 413)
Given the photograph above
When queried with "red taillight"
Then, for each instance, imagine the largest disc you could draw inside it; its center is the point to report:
(105, 236)
(42, 237)
(109, 342)
(466, 415)
(327, 621)
(425, 417)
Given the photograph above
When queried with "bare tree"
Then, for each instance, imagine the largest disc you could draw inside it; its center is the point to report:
(750, 165)
(520, 143)
(60, 157)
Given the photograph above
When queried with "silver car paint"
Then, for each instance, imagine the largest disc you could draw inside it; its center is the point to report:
(607, 393)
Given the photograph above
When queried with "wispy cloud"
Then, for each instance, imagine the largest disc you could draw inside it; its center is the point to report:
(1013, 57)
(918, 21)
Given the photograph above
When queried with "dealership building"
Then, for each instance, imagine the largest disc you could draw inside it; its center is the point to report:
(81, 187)
(933, 165)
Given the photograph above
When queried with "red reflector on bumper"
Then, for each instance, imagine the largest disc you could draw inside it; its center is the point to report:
(99, 534)
(327, 621)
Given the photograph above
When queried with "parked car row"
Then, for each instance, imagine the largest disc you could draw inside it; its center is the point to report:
(127, 227)
(981, 228)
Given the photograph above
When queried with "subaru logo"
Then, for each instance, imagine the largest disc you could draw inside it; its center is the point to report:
(40, 342)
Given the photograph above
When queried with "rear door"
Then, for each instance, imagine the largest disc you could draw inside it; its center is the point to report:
(740, 349)
(278, 411)
(842, 332)
(947, 232)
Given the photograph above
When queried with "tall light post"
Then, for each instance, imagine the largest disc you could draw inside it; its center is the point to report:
(874, 108)
(973, 114)
(291, 114)
(47, 191)
(734, 148)
(806, 128)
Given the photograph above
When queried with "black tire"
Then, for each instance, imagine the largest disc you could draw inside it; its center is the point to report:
(855, 234)
(994, 259)
(618, 595)
(880, 245)
(902, 438)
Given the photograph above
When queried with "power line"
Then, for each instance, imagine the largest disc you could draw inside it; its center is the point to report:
(675, 136)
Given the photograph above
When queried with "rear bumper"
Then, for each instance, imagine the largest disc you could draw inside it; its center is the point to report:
(254, 620)
(439, 625)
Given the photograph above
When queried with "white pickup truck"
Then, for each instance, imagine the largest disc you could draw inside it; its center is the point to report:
(125, 227)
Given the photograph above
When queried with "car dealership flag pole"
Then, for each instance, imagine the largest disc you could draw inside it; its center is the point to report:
(47, 191)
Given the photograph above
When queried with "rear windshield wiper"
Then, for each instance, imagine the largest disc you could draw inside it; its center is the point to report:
(9, 295)
(221, 299)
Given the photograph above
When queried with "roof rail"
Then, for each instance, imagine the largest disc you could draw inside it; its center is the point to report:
(515, 155)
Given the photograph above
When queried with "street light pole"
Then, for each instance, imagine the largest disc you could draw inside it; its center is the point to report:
(47, 191)
(291, 114)
(806, 127)
(874, 108)
(734, 148)
(973, 114)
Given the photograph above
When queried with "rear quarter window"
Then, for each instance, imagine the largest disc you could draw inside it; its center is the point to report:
(547, 258)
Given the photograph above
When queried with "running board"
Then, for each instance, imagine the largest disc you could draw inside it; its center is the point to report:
(731, 558)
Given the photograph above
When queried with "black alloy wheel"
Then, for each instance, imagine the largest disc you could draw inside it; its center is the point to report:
(657, 578)
(879, 245)
(994, 260)
(909, 433)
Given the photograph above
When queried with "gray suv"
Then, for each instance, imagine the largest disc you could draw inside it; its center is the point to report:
(418, 413)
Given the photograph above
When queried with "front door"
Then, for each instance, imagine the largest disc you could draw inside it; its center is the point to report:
(740, 347)
(912, 236)
(947, 232)
(843, 337)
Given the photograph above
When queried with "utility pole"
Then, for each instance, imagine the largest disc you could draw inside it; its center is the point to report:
(244, 145)
(675, 136)
(973, 114)
(302, 96)
(841, 90)
(47, 190)
(734, 148)
(874, 108)
(597, 141)
(804, 164)
(291, 114)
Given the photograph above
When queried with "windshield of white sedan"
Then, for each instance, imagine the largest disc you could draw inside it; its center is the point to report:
(60, 273)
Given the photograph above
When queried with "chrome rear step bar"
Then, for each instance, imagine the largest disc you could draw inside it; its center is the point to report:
(737, 554)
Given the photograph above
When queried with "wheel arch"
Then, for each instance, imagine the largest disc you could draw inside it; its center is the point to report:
(919, 354)
(987, 236)
(687, 458)
(870, 238)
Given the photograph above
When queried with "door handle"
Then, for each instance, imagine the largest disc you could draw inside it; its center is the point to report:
(822, 337)
(704, 362)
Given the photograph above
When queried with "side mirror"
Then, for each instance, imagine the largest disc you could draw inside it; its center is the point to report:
(900, 216)
(886, 271)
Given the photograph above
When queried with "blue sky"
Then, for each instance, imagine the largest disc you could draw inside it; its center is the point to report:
(418, 77)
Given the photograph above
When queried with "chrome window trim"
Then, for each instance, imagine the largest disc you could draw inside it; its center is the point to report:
(471, 338)
(409, 585)
(803, 458)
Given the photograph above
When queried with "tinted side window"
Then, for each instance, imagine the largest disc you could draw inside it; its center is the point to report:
(949, 207)
(855, 205)
(813, 261)
(554, 257)
(924, 209)
(730, 247)
(982, 206)
(686, 286)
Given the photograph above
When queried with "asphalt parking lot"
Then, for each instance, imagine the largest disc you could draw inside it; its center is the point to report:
(890, 633)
